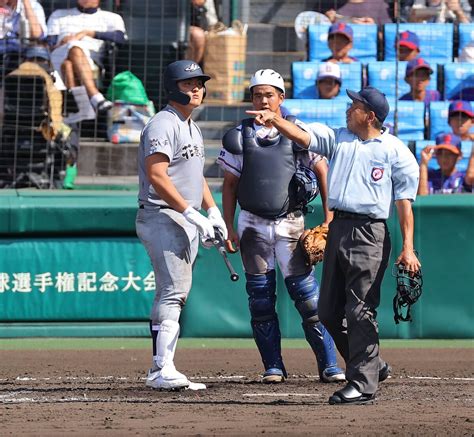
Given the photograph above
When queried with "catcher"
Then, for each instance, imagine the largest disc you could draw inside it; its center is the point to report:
(273, 181)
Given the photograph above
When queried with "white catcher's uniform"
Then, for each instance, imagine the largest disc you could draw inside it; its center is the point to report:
(264, 241)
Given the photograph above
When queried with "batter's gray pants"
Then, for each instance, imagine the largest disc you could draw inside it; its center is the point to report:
(355, 260)
(172, 245)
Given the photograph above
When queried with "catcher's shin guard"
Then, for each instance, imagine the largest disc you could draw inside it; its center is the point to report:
(304, 290)
(265, 327)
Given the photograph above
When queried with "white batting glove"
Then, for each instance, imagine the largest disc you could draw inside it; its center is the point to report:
(215, 217)
(203, 224)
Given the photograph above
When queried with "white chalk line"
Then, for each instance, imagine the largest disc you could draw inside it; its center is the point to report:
(207, 378)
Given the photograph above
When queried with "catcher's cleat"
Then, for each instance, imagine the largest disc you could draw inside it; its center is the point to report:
(168, 378)
(384, 372)
(273, 376)
(332, 374)
(350, 395)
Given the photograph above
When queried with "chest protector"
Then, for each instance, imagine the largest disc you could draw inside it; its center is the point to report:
(265, 185)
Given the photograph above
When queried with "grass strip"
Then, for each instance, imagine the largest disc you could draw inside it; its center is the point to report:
(202, 343)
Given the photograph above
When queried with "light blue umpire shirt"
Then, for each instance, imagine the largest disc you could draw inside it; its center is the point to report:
(365, 177)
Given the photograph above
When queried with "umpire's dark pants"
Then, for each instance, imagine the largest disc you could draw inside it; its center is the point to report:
(356, 257)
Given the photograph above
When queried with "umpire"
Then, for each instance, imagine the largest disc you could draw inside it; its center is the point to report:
(369, 169)
(172, 190)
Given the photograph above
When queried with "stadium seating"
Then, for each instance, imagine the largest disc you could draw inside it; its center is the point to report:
(411, 119)
(304, 77)
(381, 75)
(330, 112)
(365, 42)
(459, 81)
(433, 163)
(436, 40)
(466, 35)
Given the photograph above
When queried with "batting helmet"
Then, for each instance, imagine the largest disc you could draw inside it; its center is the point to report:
(181, 70)
(267, 77)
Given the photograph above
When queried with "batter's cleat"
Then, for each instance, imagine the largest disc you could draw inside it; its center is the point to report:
(350, 395)
(332, 374)
(273, 376)
(168, 378)
(384, 372)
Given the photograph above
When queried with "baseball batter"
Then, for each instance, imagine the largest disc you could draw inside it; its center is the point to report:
(259, 169)
(171, 193)
(369, 170)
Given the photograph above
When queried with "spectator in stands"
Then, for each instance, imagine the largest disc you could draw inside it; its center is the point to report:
(19, 19)
(78, 37)
(461, 119)
(328, 82)
(469, 179)
(408, 46)
(340, 38)
(447, 179)
(441, 11)
(418, 73)
(362, 12)
(203, 15)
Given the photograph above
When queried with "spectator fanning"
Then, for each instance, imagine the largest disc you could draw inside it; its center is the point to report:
(461, 119)
(447, 179)
(77, 36)
(362, 12)
(19, 19)
(328, 83)
(418, 75)
(340, 38)
(408, 46)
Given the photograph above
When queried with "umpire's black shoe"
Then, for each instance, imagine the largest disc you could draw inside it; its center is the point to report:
(384, 372)
(350, 395)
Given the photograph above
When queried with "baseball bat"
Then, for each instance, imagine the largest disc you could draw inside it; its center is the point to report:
(218, 242)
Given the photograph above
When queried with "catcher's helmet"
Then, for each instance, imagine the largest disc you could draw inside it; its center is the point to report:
(409, 289)
(181, 70)
(305, 185)
(267, 77)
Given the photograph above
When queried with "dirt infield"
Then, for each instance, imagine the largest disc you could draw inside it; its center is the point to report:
(102, 393)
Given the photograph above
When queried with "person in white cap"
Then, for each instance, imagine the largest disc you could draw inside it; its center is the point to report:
(262, 172)
(328, 82)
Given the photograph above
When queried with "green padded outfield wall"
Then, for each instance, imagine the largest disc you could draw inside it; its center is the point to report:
(72, 258)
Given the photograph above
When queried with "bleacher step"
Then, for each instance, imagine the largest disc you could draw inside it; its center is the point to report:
(265, 37)
(278, 61)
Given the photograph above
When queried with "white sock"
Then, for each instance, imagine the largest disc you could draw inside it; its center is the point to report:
(96, 99)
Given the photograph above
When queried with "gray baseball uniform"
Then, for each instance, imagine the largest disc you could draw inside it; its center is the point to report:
(170, 240)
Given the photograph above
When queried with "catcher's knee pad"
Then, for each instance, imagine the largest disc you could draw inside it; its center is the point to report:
(304, 290)
(262, 297)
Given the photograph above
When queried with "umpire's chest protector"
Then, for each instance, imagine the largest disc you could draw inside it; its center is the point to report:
(265, 183)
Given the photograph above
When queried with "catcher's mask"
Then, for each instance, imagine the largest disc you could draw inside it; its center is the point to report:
(305, 185)
(409, 289)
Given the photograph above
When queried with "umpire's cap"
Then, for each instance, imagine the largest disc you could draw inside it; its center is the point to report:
(181, 70)
(373, 99)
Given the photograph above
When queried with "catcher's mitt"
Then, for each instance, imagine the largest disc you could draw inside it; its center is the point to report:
(313, 242)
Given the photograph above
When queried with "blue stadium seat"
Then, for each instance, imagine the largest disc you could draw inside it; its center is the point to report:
(466, 34)
(330, 112)
(436, 40)
(381, 75)
(462, 164)
(365, 42)
(459, 81)
(439, 118)
(304, 77)
(411, 119)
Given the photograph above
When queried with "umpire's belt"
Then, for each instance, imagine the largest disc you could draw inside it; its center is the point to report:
(354, 216)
